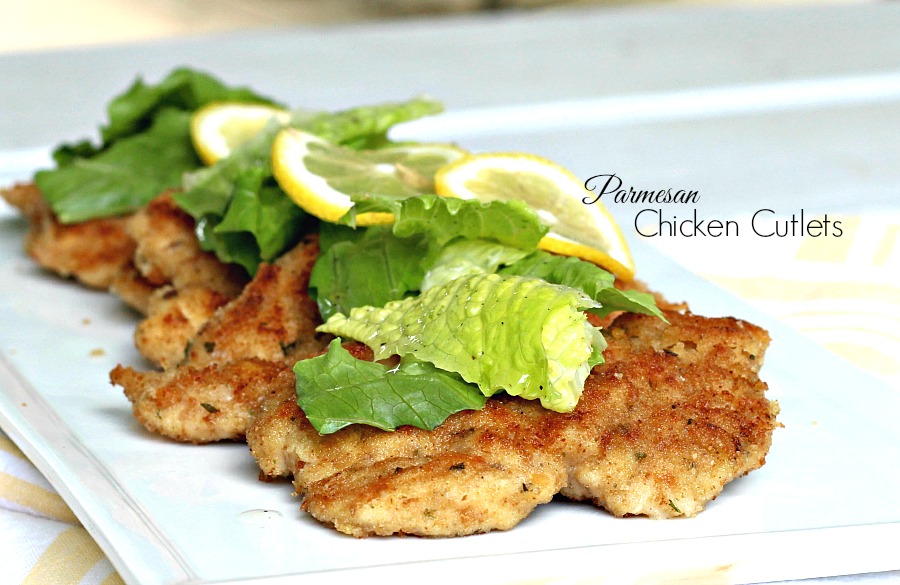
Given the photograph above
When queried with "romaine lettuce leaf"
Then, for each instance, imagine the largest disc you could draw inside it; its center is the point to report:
(184, 89)
(463, 257)
(597, 283)
(145, 148)
(366, 126)
(259, 223)
(371, 266)
(336, 390)
(123, 177)
(209, 193)
(443, 219)
(516, 334)
(364, 267)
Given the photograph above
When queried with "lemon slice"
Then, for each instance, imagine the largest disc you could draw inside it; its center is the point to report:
(219, 127)
(586, 231)
(322, 177)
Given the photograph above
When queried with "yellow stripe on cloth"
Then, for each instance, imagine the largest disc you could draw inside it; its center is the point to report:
(887, 245)
(113, 579)
(66, 560)
(35, 498)
(10, 447)
(825, 249)
(867, 357)
(785, 289)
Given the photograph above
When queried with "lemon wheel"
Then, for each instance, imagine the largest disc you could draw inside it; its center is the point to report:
(323, 178)
(220, 127)
(587, 231)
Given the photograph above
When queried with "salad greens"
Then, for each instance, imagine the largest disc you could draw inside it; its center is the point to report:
(457, 288)
(597, 283)
(145, 148)
(469, 257)
(340, 390)
(125, 175)
(378, 264)
(413, 289)
(245, 180)
(517, 334)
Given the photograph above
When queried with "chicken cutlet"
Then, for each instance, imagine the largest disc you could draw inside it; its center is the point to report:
(238, 358)
(151, 259)
(676, 411)
(167, 251)
(92, 252)
(176, 284)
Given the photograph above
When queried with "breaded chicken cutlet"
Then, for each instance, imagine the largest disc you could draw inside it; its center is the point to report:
(213, 381)
(675, 413)
(168, 253)
(238, 358)
(92, 252)
(176, 284)
(151, 259)
(152, 248)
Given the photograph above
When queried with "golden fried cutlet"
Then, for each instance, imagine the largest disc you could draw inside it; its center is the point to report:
(172, 281)
(92, 252)
(173, 318)
(168, 251)
(675, 413)
(203, 404)
(132, 288)
(241, 356)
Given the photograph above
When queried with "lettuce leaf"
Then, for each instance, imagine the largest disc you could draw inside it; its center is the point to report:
(125, 176)
(210, 193)
(516, 334)
(336, 390)
(364, 267)
(371, 266)
(443, 219)
(259, 223)
(366, 126)
(183, 89)
(467, 257)
(145, 148)
(597, 283)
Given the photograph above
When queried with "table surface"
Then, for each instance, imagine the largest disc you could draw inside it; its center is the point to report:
(795, 107)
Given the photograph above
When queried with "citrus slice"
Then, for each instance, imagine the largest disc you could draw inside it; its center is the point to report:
(586, 231)
(323, 178)
(217, 128)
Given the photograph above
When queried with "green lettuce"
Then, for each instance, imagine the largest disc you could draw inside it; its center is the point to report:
(182, 89)
(125, 176)
(366, 126)
(597, 283)
(210, 193)
(371, 266)
(443, 219)
(516, 334)
(258, 224)
(467, 257)
(364, 267)
(336, 390)
(145, 148)
(464, 257)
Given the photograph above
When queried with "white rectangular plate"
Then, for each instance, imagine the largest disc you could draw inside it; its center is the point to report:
(170, 513)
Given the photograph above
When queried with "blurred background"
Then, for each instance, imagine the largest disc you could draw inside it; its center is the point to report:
(47, 24)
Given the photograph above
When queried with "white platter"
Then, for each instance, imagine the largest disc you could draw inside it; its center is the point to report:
(168, 513)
